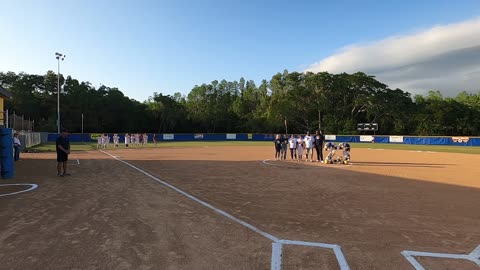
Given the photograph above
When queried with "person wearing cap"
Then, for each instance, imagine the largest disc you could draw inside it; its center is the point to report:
(63, 150)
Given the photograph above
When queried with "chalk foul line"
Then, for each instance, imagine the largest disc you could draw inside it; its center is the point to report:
(276, 263)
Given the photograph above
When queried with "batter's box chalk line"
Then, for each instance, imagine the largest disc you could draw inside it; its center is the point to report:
(277, 252)
(277, 243)
(474, 257)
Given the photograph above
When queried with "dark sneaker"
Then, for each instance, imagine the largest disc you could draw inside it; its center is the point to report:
(67, 174)
(61, 175)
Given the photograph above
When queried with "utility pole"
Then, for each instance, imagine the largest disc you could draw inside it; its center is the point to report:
(59, 57)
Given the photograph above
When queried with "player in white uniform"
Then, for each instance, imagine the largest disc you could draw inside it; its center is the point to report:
(292, 144)
(300, 145)
(145, 139)
(309, 146)
(137, 140)
(99, 142)
(102, 141)
(115, 140)
(127, 140)
(107, 140)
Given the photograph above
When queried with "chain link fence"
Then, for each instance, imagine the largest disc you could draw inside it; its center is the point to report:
(24, 127)
(20, 123)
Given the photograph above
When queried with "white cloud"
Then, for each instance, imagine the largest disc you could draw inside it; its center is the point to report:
(445, 58)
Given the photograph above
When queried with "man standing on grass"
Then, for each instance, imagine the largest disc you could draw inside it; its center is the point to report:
(63, 150)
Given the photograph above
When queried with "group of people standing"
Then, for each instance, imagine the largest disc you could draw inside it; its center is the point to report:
(136, 140)
(299, 145)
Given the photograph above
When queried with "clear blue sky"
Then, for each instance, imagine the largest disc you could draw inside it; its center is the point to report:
(169, 46)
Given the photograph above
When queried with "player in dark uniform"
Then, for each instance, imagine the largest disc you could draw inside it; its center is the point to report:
(63, 150)
(284, 147)
(318, 145)
(346, 153)
(278, 147)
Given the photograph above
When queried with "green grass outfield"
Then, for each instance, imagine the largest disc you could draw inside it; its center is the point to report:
(50, 147)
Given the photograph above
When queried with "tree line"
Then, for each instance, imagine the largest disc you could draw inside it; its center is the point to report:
(334, 103)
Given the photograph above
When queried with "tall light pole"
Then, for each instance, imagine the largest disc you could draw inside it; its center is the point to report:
(59, 57)
(82, 127)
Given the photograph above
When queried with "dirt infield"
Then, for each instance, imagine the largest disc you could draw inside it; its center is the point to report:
(109, 215)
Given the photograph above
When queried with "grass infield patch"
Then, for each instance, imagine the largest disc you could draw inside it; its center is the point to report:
(411, 147)
(50, 147)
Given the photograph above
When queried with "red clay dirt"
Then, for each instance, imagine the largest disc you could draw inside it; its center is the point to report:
(108, 215)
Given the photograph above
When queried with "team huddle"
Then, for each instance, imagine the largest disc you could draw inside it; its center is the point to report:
(136, 140)
(306, 144)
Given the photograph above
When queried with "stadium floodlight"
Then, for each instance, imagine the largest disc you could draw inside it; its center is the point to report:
(59, 57)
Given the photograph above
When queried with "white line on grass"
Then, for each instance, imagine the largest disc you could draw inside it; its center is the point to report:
(276, 263)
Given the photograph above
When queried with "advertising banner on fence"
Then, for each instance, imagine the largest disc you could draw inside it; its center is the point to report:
(168, 136)
(198, 136)
(367, 138)
(330, 137)
(250, 136)
(460, 139)
(269, 137)
(95, 136)
(231, 136)
(396, 139)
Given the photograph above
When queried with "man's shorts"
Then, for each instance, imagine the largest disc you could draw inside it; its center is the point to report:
(62, 157)
(309, 150)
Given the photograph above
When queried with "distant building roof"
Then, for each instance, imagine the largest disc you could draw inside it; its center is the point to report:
(5, 93)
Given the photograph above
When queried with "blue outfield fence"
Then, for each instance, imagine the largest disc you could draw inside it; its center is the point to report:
(454, 140)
